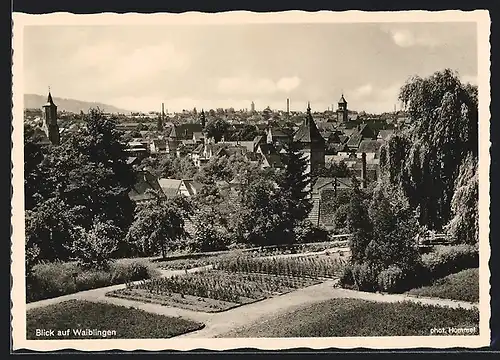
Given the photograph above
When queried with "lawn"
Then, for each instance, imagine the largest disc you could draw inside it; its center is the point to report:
(110, 321)
(354, 317)
(463, 285)
(211, 291)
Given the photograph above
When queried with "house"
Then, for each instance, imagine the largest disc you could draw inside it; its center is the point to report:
(361, 132)
(370, 147)
(185, 131)
(170, 187)
(276, 135)
(198, 137)
(158, 146)
(144, 181)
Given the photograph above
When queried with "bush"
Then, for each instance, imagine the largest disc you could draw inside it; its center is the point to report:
(447, 260)
(61, 278)
(364, 277)
(391, 279)
(346, 279)
(306, 232)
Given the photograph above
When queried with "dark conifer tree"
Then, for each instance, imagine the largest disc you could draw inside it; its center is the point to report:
(295, 185)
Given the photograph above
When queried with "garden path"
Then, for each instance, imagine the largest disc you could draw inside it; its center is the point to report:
(217, 324)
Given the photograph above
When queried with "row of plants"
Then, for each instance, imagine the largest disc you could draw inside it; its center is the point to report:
(221, 285)
(48, 280)
(300, 266)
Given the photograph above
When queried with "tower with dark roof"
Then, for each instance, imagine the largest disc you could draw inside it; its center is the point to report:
(311, 142)
(50, 126)
(342, 111)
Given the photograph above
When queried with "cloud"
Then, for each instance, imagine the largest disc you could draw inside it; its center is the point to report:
(363, 91)
(406, 38)
(288, 84)
(257, 86)
(121, 65)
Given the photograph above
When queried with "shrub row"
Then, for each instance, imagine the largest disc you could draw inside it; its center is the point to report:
(435, 265)
(54, 279)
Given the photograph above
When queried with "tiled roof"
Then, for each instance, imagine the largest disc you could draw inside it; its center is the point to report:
(369, 146)
(308, 132)
(144, 181)
(354, 140)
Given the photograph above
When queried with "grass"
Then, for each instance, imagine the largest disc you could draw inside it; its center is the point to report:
(354, 317)
(195, 291)
(463, 286)
(50, 280)
(114, 321)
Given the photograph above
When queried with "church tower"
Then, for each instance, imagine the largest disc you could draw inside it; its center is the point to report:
(312, 143)
(342, 111)
(203, 120)
(50, 121)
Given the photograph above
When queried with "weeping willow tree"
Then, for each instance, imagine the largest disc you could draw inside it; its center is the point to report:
(433, 161)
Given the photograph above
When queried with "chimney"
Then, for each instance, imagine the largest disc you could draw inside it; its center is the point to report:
(162, 111)
(363, 170)
(287, 106)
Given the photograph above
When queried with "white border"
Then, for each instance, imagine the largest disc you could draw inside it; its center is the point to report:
(481, 17)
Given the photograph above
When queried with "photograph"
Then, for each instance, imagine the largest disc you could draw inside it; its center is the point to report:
(264, 180)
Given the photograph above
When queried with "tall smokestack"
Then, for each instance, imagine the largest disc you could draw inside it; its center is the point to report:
(288, 106)
(363, 170)
(162, 111)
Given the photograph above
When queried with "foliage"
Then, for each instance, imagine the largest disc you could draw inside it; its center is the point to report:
(94, 248)
(54, 279)
(357, 318)
(449, 259)
(216, 128)
(335, 169)
(49, 230)
(463, 286)
(306, 232)
(359, 224)
(209, 235)
(393, 235)
(425, 161)
(464, 225)
(129, 323)
(294, 186)
(158, 226)
(391, 279)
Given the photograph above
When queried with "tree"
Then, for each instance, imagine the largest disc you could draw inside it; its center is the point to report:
(94, 248)
(358, 223)
(394, 228)
(158, 226)
(217, 169)
(294, 184)
(49, 230)
(216, 128)
(262, 216)
(247, 133)
(184, 168)
(92, 173)
(464, 225)
(425, 160)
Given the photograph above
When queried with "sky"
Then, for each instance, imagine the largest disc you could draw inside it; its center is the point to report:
(137, 67)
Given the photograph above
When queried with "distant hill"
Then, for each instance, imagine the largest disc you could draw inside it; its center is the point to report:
(33, 101)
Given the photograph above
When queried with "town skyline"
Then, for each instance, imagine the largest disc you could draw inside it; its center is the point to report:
(139, 67)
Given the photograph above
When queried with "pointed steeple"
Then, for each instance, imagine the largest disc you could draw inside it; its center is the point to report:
(308, 107)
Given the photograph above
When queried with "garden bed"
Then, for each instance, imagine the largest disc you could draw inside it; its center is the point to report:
(77, 319)
(211, 291)
(314, 267)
